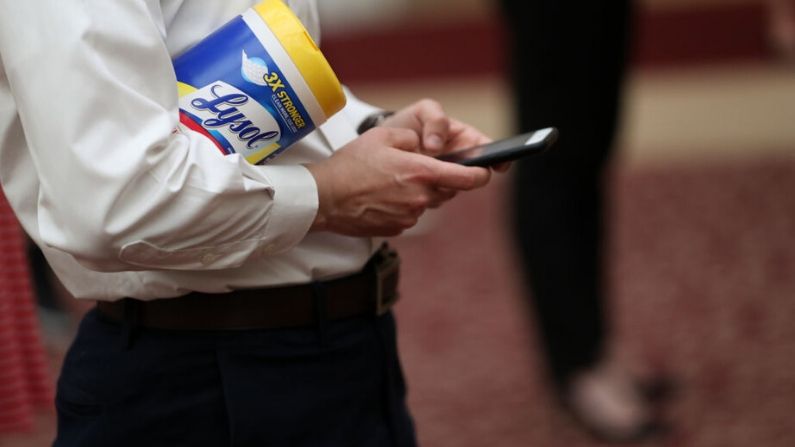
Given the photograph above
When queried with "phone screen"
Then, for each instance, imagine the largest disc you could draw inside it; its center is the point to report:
(504, 150)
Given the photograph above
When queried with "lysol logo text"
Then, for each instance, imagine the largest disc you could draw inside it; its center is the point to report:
(233, 113)
(227, 114)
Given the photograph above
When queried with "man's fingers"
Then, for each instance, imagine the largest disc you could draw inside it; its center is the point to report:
(434, 136)
(458, 177)
(462, 136)
(435, 126)
(441, 195)
(502, 167)
(403, 139)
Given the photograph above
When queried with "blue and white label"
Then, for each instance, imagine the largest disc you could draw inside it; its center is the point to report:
(242, 98)
(244, 123)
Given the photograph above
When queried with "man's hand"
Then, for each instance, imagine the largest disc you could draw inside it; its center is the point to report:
(438, 132)
(378, 185)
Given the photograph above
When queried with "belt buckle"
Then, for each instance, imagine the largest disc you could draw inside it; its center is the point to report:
(387, 268)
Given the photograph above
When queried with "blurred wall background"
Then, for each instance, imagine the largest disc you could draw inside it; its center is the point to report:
(703, 226)
(360, 13)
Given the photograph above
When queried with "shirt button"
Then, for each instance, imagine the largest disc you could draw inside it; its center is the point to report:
(208, 258)
(263, 248)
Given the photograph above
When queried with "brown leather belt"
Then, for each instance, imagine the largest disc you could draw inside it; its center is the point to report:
(371, 291)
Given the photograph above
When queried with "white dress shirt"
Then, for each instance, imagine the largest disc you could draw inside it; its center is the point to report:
(123, 204)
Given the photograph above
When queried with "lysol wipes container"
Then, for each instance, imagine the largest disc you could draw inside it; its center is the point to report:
(258, 84)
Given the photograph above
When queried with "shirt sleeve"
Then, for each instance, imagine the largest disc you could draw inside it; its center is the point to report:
(356, 110)
(120, 187)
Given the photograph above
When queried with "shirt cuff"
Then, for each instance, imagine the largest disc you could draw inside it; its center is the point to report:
(357, 110)
(294, 206)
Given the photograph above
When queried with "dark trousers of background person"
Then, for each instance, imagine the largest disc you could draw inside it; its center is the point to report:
(569, 59)
(335, 385)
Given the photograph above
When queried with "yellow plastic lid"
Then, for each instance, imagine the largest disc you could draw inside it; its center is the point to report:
(307, 57)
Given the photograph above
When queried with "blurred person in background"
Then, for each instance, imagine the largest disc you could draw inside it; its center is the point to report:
(781, 29)
(569, 60)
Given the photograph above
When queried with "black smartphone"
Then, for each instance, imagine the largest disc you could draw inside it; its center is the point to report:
(504, 150)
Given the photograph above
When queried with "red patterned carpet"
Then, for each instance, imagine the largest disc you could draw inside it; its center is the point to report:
(703, 280)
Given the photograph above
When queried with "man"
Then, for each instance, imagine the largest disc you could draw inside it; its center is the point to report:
(239, 304)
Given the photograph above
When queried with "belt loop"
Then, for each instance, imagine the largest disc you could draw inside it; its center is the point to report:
(130, 322)
(320, 309)
(386, 275)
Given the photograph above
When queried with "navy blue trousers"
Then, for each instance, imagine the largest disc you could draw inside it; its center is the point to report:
(339, 386)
